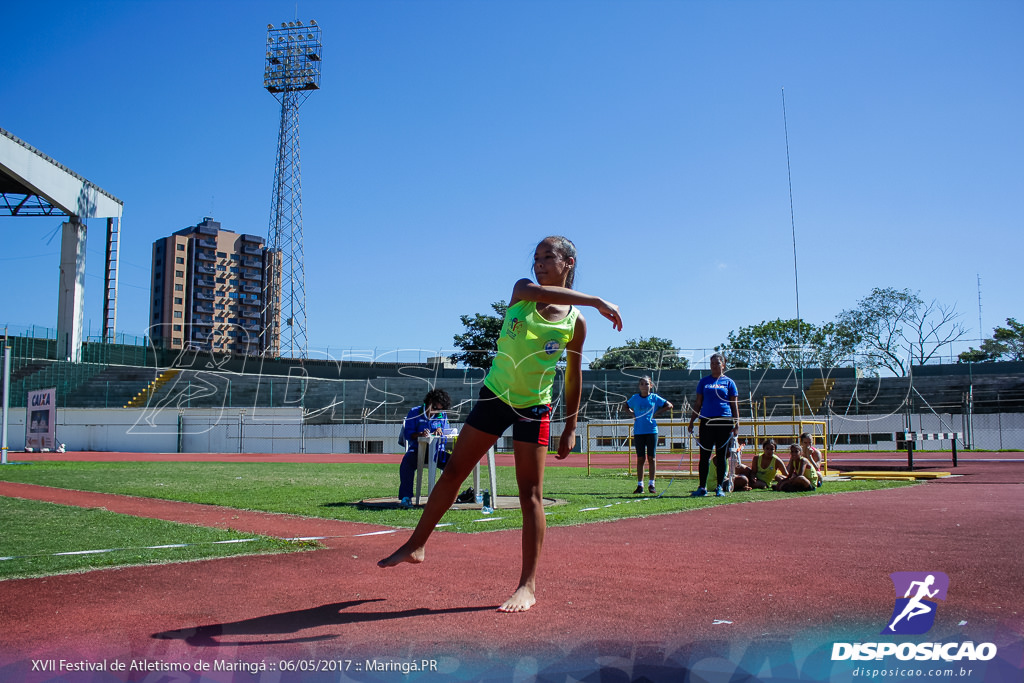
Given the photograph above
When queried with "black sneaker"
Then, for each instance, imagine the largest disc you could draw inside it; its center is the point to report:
(639, 489)
(650, 489)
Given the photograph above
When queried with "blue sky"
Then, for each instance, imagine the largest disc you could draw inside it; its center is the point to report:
(450, 136)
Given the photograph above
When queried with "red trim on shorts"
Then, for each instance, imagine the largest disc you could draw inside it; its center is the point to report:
(544, 436)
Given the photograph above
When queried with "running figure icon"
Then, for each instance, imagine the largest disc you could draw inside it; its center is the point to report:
(919, 591)
(915, 607)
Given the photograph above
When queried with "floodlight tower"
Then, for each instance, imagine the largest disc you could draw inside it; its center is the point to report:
(291, 73)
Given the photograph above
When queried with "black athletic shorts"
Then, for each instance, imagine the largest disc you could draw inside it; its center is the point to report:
(494, 416)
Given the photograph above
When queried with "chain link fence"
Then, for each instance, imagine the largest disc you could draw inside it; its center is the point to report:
(284, 431)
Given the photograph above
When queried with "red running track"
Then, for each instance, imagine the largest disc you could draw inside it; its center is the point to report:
(754, 591)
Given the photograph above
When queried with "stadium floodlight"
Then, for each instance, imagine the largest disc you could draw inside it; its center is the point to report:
(291, 72)
(293, 59)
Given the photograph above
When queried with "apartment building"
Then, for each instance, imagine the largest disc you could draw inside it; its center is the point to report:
(210, 289)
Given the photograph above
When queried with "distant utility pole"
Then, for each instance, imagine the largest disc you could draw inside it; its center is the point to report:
(291, 73)
(981, 330)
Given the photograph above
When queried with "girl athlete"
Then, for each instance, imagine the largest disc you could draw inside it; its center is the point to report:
(808, 450)
(765, 469)
(802, 475)
(644, 407)
(541, 322)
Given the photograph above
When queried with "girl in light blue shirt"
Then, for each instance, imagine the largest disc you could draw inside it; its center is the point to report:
(645, 406)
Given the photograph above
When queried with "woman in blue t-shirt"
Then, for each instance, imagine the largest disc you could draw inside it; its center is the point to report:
(644, 407)
(718, 407)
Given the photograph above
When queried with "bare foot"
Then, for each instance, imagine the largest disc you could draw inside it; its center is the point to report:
(403, 554)
(522, 600)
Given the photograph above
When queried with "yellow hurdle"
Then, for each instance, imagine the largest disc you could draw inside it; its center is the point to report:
(896, 476)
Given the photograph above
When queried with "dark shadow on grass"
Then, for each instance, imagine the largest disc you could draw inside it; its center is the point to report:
(334, 614)
(368, 505)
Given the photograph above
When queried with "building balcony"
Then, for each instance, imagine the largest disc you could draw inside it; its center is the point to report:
(204, 256)
(252, 275)
(212, 244)
(252, 251)
(252, 289)
(252, 262)
(206, 271)
(204, 296)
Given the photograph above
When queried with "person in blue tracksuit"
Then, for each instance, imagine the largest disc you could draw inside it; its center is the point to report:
(423, 420)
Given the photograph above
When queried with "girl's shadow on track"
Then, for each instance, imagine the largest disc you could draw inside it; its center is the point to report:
(334, 614)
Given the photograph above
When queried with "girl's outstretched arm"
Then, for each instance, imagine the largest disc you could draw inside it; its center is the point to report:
(528, 290)
(573, 387)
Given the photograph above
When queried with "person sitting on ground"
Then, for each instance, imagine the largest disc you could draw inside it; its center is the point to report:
(423, 420)
(808, 450)
(802, 474)
(765, 469)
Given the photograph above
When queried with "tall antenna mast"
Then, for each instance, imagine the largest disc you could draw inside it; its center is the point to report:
(981, 330)
(291, 73)
(792, 222)
(792, 217)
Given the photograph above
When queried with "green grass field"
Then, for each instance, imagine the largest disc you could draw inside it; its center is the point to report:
(34, 531)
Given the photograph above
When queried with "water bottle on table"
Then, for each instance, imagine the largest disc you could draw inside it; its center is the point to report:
(487, 509)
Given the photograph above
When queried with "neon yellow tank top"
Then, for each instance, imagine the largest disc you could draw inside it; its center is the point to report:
(767, 474)
(529, 348)
(811, 473)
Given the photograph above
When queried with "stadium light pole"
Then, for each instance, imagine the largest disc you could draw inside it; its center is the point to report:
(291, 73)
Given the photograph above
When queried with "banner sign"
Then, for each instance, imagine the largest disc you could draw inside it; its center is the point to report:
(41, 425)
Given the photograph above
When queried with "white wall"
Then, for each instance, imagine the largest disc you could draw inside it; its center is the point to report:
(280, 430)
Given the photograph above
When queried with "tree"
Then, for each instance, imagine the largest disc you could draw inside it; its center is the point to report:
(653, 353)
(790, 344)
(1011, 340)
(933, 326)
(836, 345)
(769, 344)
(982, 355)
(1005, 341)
(898, 329)
(479, 343)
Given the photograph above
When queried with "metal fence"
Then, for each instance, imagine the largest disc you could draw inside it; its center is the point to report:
(284, 431)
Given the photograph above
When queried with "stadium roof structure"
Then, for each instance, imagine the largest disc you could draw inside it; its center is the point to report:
(34, 184)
